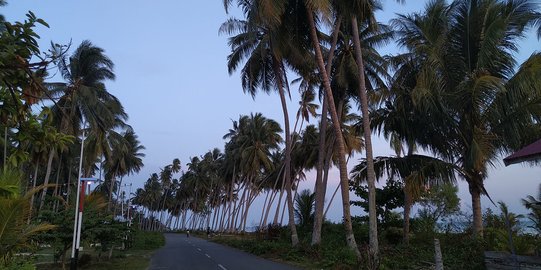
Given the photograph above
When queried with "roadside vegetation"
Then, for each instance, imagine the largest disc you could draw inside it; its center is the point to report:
(439, 217)
(136, 255)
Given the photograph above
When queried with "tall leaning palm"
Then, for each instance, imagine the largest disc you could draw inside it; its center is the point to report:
(311, 10)
(361, 12)
(467, 79)
(126, 158)
(260, 45)
(83, 100)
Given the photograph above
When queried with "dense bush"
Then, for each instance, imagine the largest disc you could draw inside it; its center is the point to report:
(18, 264)
(460, 251)
(143, 240)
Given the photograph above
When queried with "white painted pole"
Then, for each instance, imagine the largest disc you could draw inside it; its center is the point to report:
(76, 219)
(79, 230)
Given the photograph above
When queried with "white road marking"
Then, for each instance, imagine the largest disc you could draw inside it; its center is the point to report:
(207, 255)
(199, 249)
(221, 266)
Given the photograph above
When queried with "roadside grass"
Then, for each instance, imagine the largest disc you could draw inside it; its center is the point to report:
(136, 258)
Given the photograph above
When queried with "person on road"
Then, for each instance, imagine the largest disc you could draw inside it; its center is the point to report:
(208, 232)
(188, 233)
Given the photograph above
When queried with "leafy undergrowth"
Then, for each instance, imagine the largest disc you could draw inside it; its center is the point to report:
(148, 240)
(459, 251)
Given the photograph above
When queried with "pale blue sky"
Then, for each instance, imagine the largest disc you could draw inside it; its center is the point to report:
(173, 81)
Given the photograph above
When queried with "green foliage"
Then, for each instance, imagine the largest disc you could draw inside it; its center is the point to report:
(15, 231)
(533, 204)
(143, 240)
(108, 233)
(19, 78)
(390, 197)
(304, 208)
(18, 264)
(437, 204)
(459, 252)
(97, 226)
(499, 227)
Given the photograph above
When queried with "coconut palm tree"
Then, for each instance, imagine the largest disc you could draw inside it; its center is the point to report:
(467, 80)
(304, 208)
(359, 12)
(252, 143)
(83, 102)
(55, 141)
(534, 205)
(311, 8)
(262, 45)
(83, 97)
(125, 158)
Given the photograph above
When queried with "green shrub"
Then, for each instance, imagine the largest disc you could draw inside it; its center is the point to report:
(393, 235)
(148, 240)
(18, 264)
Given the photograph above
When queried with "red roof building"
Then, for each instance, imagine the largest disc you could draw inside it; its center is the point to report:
(531, 152)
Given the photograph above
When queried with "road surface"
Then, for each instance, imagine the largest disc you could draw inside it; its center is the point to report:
(181, 252)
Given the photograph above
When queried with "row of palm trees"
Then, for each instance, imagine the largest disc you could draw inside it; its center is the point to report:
(217, 189)
(77, 109)
(455, 93)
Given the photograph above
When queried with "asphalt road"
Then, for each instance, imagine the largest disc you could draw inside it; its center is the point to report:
(181, 252)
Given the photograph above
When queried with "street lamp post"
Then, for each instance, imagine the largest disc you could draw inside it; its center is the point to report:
(85, 182)
(74, 251)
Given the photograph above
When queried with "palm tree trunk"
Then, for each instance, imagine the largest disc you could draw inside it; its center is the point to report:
(239, 209)
(215, 212)
(68, 188)
(34, 180)
(246, 209)
(371, 176)
(320, 195)
(183, 222)
(232, 216)
(46, 181)
(277, 212)
(278, 205)
(251, 197)
(225, 210)
(287, 167)
(407, 210)
(331, 200)
(344, 181)
(263, 208)
(56, 189)
(319, 189)
(294, 198)
(476, 206)
(111, 187)
(117, 196)
(408, 202)
(326, 167)
(269, 206)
